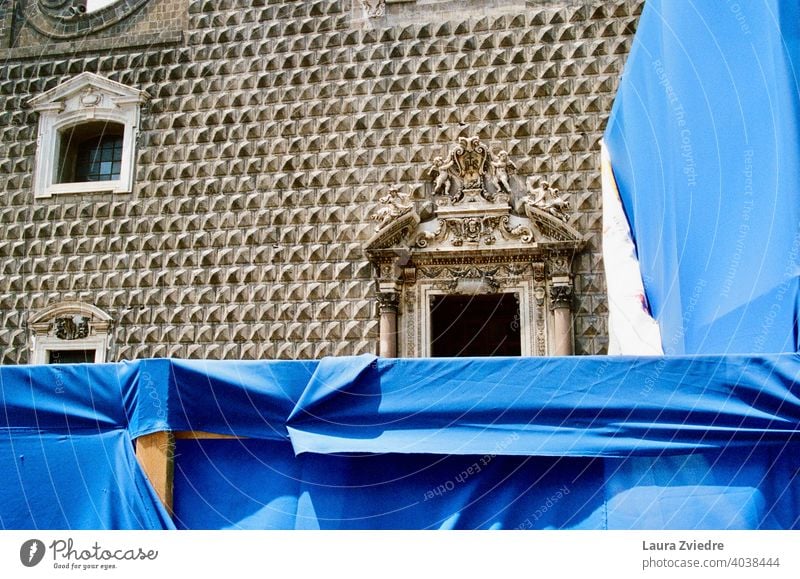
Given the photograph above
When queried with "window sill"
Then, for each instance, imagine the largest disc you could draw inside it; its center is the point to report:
(80, 188)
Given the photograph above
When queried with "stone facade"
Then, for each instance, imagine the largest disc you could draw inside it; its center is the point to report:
(272, 129)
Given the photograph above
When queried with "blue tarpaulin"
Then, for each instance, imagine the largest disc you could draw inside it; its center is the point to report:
(66, 451)
(365, 443)
(704, 141)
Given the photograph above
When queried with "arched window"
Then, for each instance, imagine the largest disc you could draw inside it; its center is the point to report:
(87, 136)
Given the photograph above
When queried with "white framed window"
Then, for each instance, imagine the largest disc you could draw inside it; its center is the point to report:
(68, 333)
(88, 127)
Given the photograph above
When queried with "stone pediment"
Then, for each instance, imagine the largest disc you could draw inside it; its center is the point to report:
(475, 203)
(87, 91)
(395, 233)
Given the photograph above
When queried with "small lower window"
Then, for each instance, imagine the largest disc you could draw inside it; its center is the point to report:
(71, 356)
(69, 333)
(475, 325)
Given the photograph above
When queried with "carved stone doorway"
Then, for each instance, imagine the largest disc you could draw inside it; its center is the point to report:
(478, 232)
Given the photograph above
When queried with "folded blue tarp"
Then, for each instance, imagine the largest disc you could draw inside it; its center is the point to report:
(704, 140)
(581, 442)
(66, 451)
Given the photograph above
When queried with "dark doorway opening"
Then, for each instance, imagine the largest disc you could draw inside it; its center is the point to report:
(479, 325)
(70, 356)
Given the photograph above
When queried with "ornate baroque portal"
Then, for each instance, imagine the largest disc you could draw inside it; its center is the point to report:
(479, 231)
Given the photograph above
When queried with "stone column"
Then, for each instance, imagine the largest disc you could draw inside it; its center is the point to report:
(561, 304)
(387, 304)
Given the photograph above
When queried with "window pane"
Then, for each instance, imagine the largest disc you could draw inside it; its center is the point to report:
(95, 5)
(99, 159)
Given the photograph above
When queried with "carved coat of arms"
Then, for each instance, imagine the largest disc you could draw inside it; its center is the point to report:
(73, 328)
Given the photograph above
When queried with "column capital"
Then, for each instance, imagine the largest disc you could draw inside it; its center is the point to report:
(388, 301)
(561, 296)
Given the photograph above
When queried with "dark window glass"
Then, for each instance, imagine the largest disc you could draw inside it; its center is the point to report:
(70, 356)
(99, 159)
(481, 325)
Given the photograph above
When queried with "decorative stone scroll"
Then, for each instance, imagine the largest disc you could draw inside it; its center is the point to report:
(485, 231)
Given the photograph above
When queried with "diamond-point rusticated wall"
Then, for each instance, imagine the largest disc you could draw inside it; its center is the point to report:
(271, 130)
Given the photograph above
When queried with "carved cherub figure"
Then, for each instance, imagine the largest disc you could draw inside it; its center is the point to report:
(546, 198)
(442, 182)
(394, 204)
(502, 167)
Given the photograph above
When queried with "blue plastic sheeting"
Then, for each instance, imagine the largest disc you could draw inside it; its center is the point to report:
(570, 406)
(74, 481)
(729, 489)
(704, 140)
(254, 484)
(589, 442)
(66, 454)
(238, 398)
